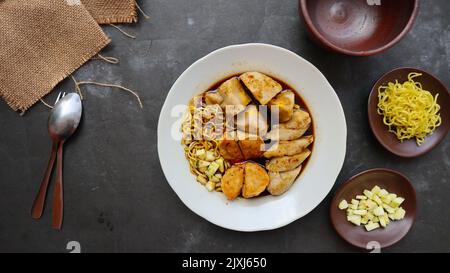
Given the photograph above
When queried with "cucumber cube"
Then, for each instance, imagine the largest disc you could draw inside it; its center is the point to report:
(343, 205)
(371, 226)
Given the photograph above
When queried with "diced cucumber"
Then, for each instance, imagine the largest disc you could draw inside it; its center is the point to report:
(388, 208)
(212, 169)
(361, 212)
(368, 194)
(210, 156)
(221, 165)
(200, 154)
(379, 211)
(371, 226)
(375, 190)
(386, 199)
(374, 209)
(372, 205)
(397, 202)
(399, 214)
(383, 192)
(203, 164)
(361, 197)
(355, 219)
(210, 186)
(364, 220)
(377, 200)
(343, 205)
(393, 195)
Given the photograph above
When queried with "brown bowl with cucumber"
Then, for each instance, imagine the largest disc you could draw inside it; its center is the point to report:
(374, 209)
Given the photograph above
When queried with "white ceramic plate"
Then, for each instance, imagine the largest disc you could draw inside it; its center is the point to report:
(316, 180)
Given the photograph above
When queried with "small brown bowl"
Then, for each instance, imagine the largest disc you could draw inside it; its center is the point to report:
(358, 27)
(393, 182)
(409, 148)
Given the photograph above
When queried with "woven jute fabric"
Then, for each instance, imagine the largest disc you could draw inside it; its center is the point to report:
(112, 11)
(41, 43)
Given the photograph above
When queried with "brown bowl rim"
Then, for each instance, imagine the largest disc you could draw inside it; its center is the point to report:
(371, 122)
(332, 46)
(351, 179)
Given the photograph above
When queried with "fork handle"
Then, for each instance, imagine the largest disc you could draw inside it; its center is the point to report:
(58, 204)
(38, 204)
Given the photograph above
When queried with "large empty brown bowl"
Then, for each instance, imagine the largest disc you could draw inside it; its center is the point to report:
(409, 148)
(358, 27)
(393, 182)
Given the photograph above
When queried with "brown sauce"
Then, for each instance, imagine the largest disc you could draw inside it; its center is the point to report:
(298, 100)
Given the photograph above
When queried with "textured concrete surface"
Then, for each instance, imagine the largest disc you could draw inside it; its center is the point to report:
(116, 196)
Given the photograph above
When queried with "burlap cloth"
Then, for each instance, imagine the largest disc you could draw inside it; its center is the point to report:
(41, 43)
(112, 11)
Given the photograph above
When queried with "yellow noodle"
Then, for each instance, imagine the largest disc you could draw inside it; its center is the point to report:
(408, 110)
(208, 142)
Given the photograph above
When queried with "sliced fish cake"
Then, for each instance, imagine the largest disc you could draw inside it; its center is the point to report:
(233, 94)
(294, 128)
(263, 87)
(213, 97)
(287, 163)
(256, 180)
(252, 146)
(229, 148)
(285, 105)
(289, 147)
(252, 121)
(285, 134)
(233, 181)
(280, 182)
(300, 120)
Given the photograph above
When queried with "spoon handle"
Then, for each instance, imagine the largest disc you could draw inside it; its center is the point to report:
(58, 204)
(38, 205)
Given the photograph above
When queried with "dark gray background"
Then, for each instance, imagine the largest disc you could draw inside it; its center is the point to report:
(116, 196)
